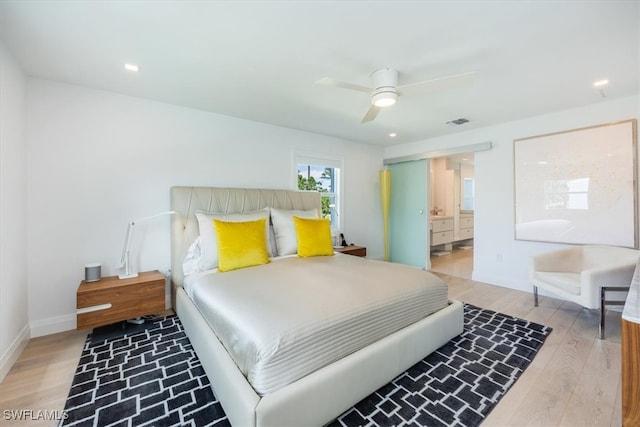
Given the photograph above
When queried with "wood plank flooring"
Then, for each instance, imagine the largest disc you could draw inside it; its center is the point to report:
(41, 377)
(575, 378)
(573, 381)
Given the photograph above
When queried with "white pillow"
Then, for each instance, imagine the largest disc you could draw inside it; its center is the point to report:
(191, 262)
(284, 229)
(208, 240)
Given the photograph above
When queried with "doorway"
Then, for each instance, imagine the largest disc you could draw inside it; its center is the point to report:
(417, 188)
(451, 208)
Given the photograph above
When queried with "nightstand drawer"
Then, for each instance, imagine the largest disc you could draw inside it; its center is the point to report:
(112, 300)
(360, 251)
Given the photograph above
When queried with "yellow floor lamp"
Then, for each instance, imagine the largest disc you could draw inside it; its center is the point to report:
(385, 197)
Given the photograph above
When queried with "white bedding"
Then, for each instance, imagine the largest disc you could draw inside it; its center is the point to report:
(284, 320)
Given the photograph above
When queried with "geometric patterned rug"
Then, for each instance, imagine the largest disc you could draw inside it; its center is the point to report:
(461, 382)
(147, 375)
(152, 377)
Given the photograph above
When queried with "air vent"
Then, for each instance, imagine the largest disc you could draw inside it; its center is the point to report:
(458, 122)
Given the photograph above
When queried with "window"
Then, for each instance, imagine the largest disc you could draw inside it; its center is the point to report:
(322, 175)
(467, 194)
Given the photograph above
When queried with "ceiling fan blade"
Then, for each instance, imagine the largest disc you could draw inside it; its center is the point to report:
(371, 114)
(442, 83)
(337, 83)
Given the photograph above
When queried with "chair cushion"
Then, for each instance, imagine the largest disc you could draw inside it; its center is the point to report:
(567, 282)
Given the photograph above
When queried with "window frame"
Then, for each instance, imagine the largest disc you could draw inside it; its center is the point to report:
(466, 197)
(325, 161)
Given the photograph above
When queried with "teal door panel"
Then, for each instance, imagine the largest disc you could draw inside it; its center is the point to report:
(408, 213)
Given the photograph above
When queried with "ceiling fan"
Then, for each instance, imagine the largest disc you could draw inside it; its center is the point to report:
(385, 90)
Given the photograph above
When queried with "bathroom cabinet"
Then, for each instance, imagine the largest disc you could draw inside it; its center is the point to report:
(442, 230)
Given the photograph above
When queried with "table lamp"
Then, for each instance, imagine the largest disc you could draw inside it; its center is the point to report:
(128, 239)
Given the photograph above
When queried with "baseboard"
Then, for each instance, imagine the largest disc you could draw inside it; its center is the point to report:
(53, 325)
(13, 352)
(500, 281)
(524, 287)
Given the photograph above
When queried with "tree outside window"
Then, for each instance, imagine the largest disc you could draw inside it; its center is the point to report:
(324, 180)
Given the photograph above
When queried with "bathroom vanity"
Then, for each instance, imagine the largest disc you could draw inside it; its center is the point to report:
(446, 230)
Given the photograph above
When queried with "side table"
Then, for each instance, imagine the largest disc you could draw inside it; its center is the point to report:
(360, 251)
(110, 300)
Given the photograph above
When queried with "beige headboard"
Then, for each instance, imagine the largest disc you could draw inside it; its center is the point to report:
(185, 201)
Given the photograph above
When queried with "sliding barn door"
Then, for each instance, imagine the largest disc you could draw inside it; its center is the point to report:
(408, 213)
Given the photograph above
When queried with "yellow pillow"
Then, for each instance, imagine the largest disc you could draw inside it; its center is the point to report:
(314, 237)
(241, 244)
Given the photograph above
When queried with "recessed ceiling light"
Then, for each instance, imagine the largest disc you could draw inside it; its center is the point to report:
(131, 67)
(600, 83)
(393, 135)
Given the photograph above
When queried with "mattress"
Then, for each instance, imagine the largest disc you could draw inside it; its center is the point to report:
(286, 319)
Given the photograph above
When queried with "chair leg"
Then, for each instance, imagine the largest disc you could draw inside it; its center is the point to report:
(604, 302)
(603, 291)
(535, 296)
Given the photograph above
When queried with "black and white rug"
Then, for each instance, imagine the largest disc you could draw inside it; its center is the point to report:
(151, 377)
(461, 382)
(146, 375)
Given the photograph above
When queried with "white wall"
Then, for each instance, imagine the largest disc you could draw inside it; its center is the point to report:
(498, 258)
(14, 322)
(98, 160)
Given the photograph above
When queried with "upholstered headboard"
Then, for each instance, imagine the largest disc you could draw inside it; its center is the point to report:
(185, 201)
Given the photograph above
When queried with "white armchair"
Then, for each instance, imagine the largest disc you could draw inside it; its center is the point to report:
(580, 273)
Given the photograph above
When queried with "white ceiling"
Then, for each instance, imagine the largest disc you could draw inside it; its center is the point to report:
(259, 60)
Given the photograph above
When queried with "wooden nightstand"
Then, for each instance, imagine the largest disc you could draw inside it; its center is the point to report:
(352, 250)
(110, 300)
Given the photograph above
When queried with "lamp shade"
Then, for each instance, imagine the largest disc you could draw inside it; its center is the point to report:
(385, 199)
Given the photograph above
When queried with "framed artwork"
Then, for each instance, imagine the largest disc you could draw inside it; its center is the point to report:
(578, 186)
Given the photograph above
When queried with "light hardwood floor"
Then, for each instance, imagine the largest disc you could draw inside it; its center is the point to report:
(573, 381)
(575, 378)
(458, 263)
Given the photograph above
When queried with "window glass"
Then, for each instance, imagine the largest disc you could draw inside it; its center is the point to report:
(467, 196)
(324, 179)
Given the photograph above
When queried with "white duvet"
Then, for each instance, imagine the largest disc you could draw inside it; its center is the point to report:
(286, 319)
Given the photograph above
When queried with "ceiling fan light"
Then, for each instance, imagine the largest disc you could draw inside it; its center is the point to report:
(384, 99)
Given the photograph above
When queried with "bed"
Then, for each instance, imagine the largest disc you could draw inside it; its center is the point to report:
(311, 398)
